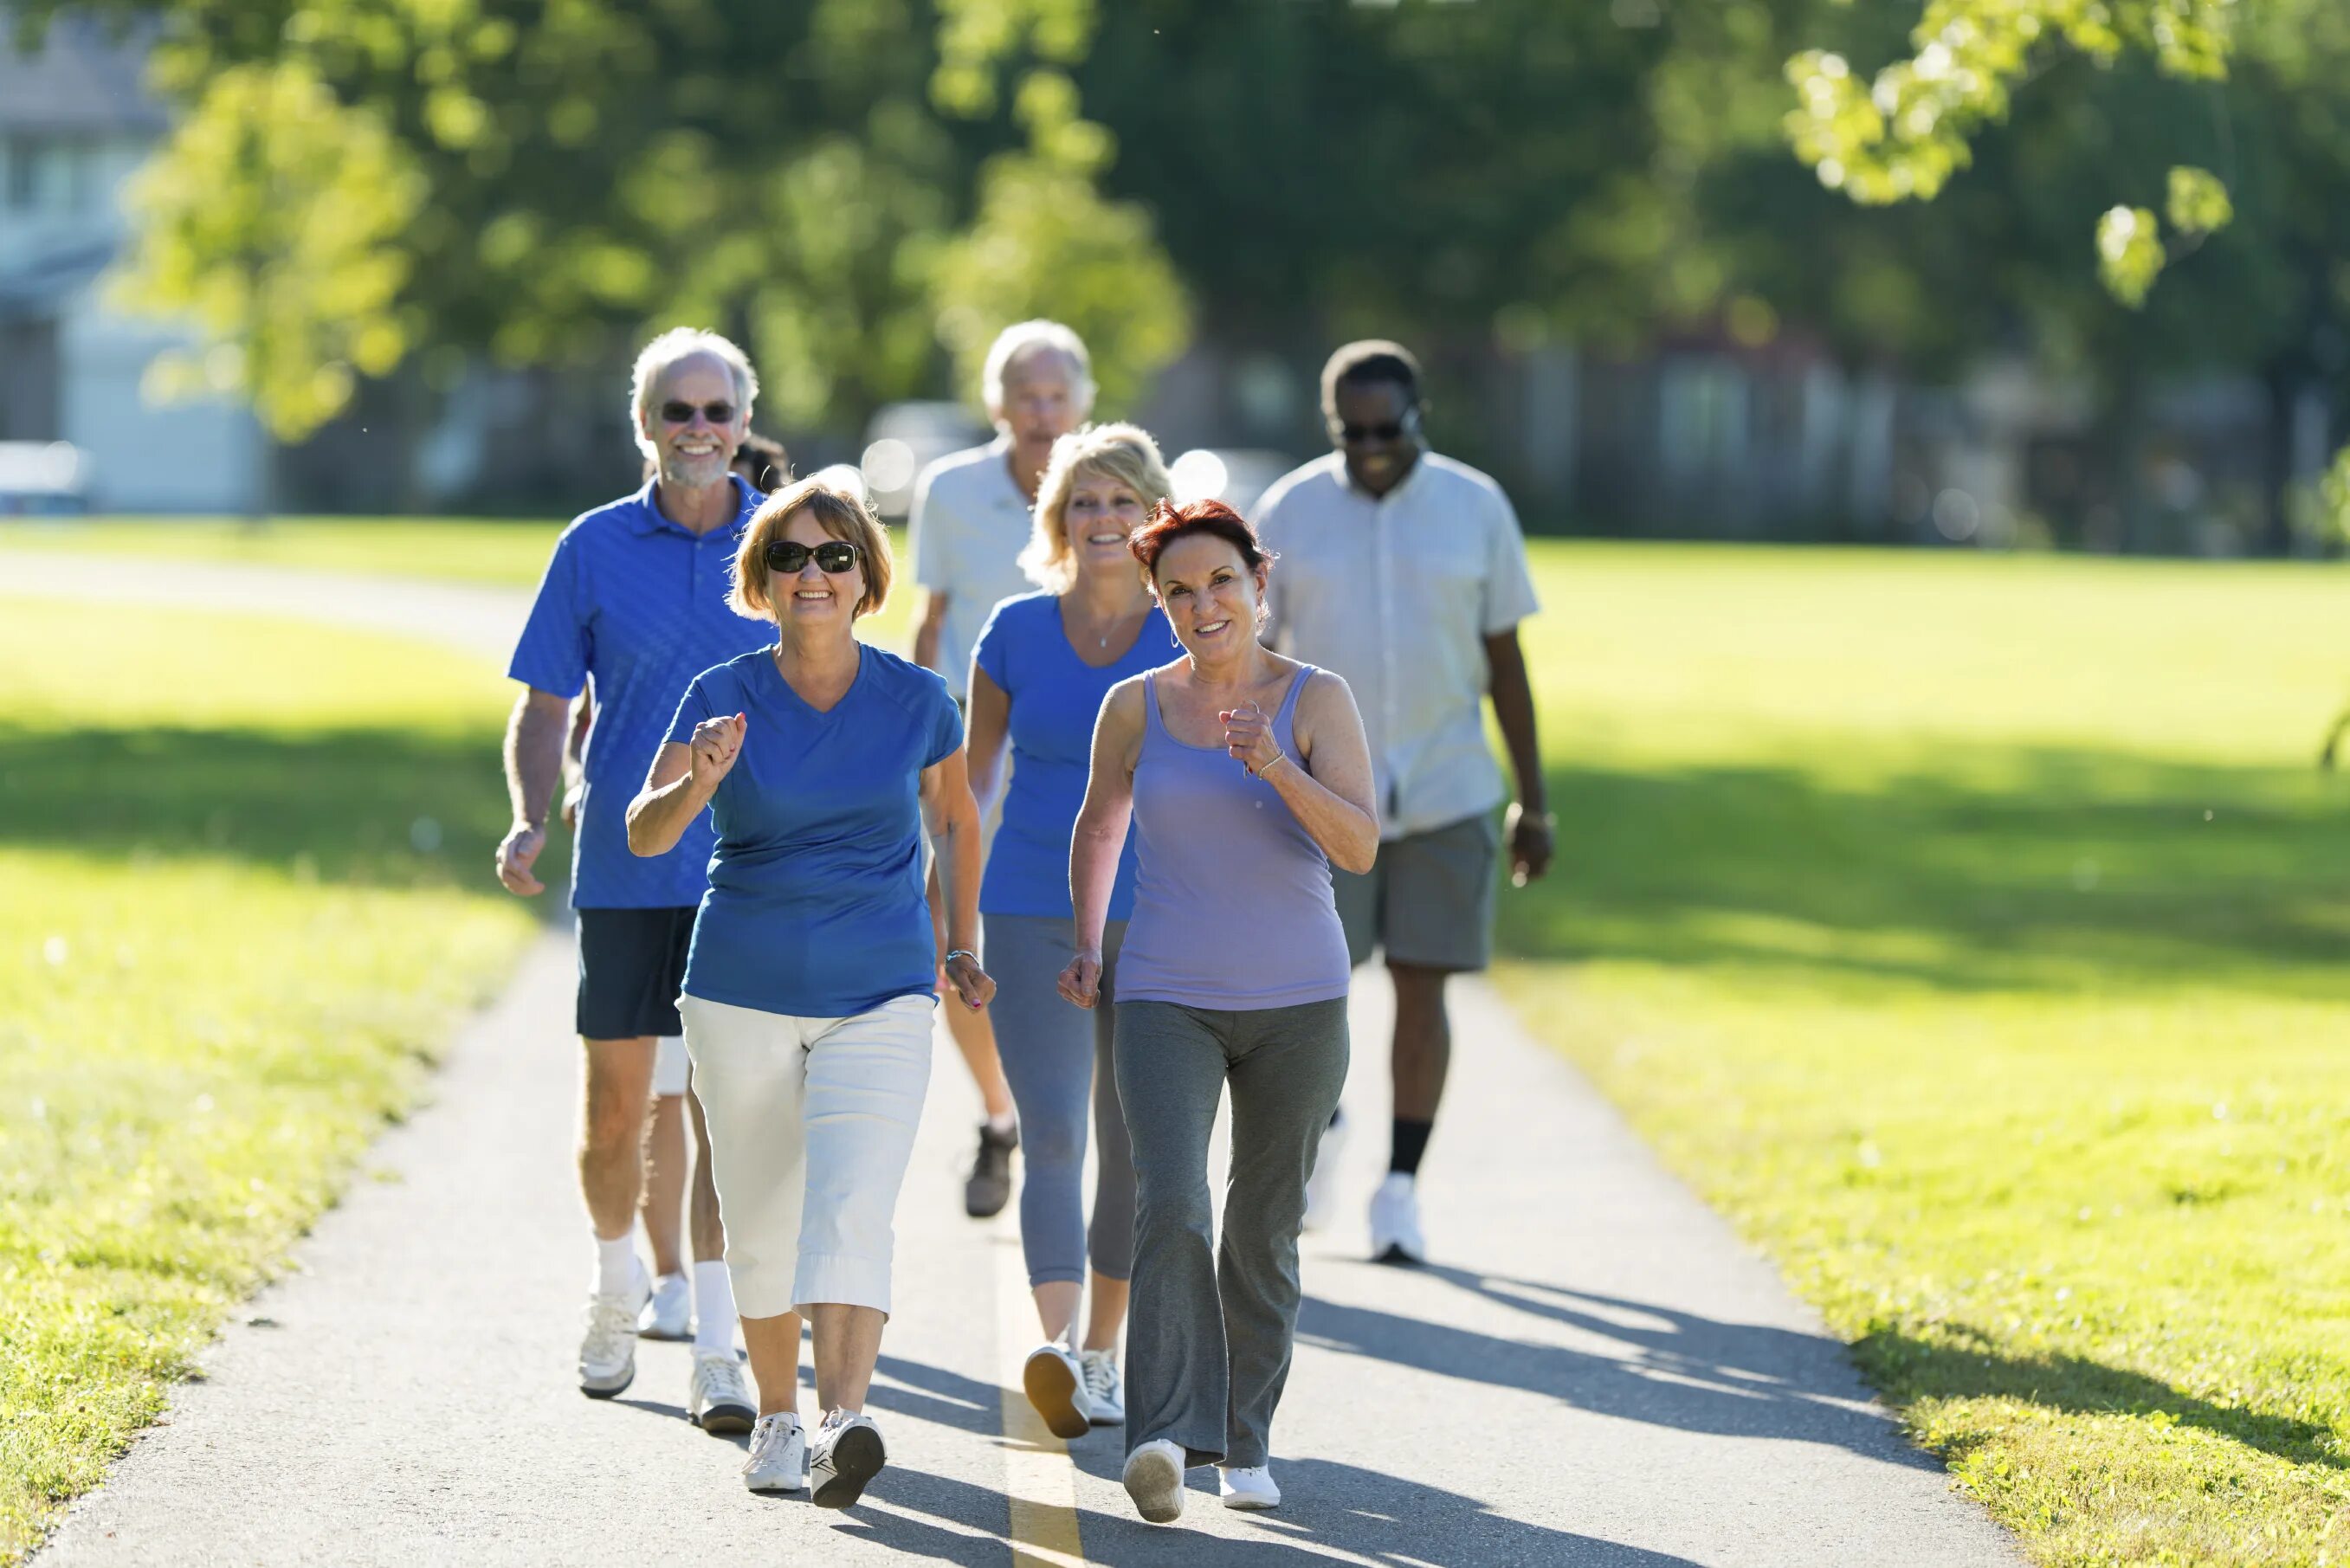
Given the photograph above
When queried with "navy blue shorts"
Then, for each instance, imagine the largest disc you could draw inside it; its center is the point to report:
(631, 967)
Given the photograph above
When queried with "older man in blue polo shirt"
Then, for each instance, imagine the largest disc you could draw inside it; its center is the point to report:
(635, 598)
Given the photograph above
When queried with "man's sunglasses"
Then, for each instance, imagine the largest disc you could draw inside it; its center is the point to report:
(677, 411)
(1394, 429)
(790, 557)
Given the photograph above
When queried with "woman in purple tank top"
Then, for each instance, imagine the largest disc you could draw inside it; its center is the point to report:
(1245, 775)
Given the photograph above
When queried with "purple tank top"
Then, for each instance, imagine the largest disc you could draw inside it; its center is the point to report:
(1231, 895)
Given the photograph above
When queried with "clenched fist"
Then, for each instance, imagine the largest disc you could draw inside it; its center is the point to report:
(716, 743)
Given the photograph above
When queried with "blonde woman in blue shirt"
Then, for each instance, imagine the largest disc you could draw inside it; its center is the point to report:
(1040, 669)
(809, 988)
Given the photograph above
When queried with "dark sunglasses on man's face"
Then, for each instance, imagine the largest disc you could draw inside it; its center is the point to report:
(1394, 429)
(789, 556)
(679, 412)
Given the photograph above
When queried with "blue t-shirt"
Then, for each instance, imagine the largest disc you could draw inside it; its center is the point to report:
(1055, 698)
(815, 905)
(640, 603)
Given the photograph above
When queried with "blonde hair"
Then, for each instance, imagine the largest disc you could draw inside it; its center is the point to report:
(840, 512)
(1123, 453)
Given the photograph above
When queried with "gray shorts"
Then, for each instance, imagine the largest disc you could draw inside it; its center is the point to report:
(1429, 900)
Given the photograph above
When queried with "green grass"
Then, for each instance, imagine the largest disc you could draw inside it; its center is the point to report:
(467, 550)
(1976, 933)
(242, 897)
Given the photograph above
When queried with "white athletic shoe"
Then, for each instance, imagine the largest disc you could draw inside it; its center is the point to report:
(670, 1313)
(1395, 1222)
(778, 1460)
(1154, 1479)
(607, 1355)
(1105, 1390)
(717, 1400)
(1322, 1186)
(1247, 1486)
(847, 1454)
(1056, 1386)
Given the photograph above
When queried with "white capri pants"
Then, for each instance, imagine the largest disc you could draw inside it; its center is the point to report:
(811, 1126)
(672, 1069)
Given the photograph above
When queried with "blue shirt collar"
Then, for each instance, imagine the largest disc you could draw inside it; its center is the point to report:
(647, 518)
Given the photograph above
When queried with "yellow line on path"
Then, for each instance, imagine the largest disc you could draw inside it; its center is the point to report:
(1038, 1475)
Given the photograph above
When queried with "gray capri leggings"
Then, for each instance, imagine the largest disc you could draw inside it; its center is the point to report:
(1056, 1057)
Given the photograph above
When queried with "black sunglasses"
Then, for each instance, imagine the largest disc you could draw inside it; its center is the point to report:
(789, 556)
(679, 412)
(1394, 429)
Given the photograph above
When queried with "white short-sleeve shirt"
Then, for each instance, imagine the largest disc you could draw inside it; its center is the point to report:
(967, 528)
(1397, 594)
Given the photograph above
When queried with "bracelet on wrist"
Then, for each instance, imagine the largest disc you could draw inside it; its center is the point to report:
(1278, 758)
(960, 952)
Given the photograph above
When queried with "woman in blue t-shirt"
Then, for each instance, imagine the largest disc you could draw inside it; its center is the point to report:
(1039, 673)
(808, 990)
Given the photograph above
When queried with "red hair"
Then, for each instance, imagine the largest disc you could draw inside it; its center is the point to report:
(1168, 522)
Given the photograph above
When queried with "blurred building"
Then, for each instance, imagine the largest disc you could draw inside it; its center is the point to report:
(75, 123)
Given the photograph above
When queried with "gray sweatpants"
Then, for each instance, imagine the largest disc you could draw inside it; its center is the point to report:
(1056, 1059)
(1208, 1339)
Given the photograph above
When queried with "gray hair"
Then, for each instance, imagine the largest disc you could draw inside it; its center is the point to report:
(1024, 336)
(683, 343)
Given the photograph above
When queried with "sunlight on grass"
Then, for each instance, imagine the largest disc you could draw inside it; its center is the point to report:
(1973, 932)
(242, 900)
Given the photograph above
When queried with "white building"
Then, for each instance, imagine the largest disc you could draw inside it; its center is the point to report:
(75, 123)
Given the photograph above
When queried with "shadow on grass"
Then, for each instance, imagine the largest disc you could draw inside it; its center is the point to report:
(372, 806)
(1968, 1363)
(2052, 869)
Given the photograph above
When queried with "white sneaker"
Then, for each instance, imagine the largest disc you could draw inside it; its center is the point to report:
(1247, 1486)
(1322, 1186)
(717, 1400)
(670, 1313)
(1154, 1479)
(778, 1460)
(607, 1356)
(847, 1454)
(1056, 1386)
(1395, 1222)
(1105, 1390)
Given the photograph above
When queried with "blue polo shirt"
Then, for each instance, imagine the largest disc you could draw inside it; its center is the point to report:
(1055, 698)
(815, 905)
(639, 603)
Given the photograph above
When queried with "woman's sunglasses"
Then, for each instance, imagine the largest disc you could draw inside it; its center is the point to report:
(790, 557)
(679, 412)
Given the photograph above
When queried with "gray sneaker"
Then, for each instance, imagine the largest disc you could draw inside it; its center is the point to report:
(608, 1354)
(989, 1187)
(717, 1400)
(847, 1454)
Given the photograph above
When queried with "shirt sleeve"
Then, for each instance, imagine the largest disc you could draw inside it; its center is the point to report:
(946, 728)
(691, 710)
(1509, 583)
(557, 646)
(929, 526)
(1277, 593)
(993, 652)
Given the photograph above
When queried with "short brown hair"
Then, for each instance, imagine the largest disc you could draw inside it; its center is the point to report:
(840, 512)
(1170, 522)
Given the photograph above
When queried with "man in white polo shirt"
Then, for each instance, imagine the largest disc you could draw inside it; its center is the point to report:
(1405, 573)
(971, 518)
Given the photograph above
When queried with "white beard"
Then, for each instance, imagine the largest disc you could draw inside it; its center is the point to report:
(693, 471)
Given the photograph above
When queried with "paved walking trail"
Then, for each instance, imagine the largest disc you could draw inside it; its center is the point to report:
(1595, 1372)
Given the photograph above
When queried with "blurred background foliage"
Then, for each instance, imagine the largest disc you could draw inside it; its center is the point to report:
(866, 190)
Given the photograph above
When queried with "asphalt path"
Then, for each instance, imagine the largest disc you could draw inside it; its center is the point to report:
(1593, 1371)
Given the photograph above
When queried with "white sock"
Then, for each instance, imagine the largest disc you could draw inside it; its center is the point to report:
(714, 1309)
(617, 1269)
(1000, 1126)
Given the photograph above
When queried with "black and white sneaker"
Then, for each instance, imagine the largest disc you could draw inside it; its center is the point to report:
(847, 1453)
(717, 1400)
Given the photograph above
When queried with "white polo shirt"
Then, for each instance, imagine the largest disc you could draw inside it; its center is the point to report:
(965, 532)
(1397, 594)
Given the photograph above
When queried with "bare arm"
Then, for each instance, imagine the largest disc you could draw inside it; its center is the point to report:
(684, 776)
(534, 758)
(952, 816)
(1514, 709)
(927, 632)
(1100, 837)
(1328, 787)
(989, 720)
